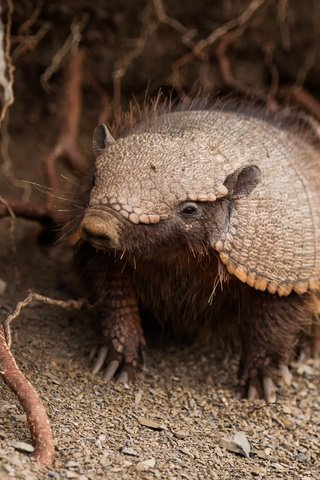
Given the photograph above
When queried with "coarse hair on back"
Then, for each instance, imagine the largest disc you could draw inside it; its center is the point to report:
(288, 118)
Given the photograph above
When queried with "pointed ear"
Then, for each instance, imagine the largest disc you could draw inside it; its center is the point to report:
(101, 139)
(242, 181)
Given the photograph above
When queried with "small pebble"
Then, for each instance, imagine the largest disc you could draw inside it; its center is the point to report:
(129, 451)
(71, 464)
(22, 446)
(147, 422)
(72, 474)
(20, 418)
(146, 464)
(180, 434)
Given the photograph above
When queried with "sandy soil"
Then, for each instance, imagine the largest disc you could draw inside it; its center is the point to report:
(171, 424)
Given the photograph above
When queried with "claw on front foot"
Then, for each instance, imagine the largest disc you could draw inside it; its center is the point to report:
(113, 364)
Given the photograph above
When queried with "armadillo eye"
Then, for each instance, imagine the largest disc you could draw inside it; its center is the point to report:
(189, 209)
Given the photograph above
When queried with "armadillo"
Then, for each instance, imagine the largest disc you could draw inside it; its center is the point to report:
(201, 219)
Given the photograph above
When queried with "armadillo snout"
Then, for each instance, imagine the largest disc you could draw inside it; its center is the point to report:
(100, 232)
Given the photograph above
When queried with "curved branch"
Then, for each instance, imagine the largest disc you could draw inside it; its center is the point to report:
(31, 403)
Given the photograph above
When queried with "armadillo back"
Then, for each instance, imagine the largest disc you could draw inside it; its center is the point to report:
(272, 241)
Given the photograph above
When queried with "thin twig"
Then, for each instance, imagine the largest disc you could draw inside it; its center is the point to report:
(36, 297)
(187, 34)
(198, 50)
(122, 65)
(70, 46)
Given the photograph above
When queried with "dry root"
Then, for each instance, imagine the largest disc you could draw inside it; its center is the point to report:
(29, 399)
(31, 403)
(66, 145)
(65, 148)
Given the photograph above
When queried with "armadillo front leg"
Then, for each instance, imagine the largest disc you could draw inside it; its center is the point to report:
(108, 287)
(120, 322)
(270, 329)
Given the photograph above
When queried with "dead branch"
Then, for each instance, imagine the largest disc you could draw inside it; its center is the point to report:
(70, 46)
(6, 67)
(303, 98)
(231, 81)
(105, 114)
(198, 50)
(29, 211)
(29, 399)
(225, 67)
(187, 34)
(122, 65)
(66, 145)
(31, 403)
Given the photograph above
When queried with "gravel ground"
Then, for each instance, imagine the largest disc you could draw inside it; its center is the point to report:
(176, 422)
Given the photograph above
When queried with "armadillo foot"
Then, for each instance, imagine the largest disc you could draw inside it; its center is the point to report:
(309, 346)
(119, 355)
(262, 383)
(112, 364)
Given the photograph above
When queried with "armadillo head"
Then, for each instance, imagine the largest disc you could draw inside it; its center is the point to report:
(157, 192)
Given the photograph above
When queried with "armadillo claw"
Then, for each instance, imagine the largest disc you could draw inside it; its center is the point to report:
(123, 377)
(261, 384)
(102, 355)
(110, 364)
(119, 356)
(252, 393)
(286, 375)
(269, 389)
(111, 370)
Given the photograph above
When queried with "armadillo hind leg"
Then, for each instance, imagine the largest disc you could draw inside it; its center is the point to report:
(270, 328)
(309, 346)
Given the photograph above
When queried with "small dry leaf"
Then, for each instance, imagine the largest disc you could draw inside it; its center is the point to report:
(146, 464)
(147, 422)
(237, 444)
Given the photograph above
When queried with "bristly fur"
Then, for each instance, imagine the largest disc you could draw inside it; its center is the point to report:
(288, 118)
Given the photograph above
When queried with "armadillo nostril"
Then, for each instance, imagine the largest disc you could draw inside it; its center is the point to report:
(89, 234)
(100, 232)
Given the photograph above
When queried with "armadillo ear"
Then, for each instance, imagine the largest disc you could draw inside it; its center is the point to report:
(101, 139)
(242, 181)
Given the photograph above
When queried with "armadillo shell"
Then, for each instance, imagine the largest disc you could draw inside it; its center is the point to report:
(272, 240)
